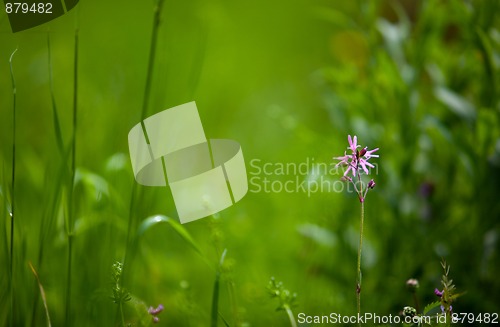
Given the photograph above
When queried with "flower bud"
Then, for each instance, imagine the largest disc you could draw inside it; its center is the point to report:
(371, 184)
(346, 179)
(412, 284)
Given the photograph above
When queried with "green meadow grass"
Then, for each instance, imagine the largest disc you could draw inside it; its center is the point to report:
(289, 81)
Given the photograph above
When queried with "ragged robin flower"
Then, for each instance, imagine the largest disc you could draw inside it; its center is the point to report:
(357, 163)
(357, 159)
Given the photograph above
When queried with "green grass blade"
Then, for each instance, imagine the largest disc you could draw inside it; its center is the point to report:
(489, 66)
(55, 115)
(198, 61)
(215, 301)
(178, 228)
(42, 292)
(152, 55)
(70, 208)
(224, 320)
(145, 103)
(5, 284)
(215, 296)
(12, 197)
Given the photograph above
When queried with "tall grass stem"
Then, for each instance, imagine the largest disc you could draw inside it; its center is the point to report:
(152, 56)
(70, 212)
(13, 187)
(145, 104)
(215, 295)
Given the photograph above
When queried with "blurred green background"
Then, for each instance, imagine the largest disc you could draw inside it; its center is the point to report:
(289, 81)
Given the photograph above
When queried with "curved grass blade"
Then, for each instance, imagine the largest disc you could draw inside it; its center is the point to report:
(42, 292)
(181, 231)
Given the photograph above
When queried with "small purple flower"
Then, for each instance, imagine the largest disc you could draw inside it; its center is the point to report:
(357, 159)
(443, 309)
(438, 292)
(155, 312)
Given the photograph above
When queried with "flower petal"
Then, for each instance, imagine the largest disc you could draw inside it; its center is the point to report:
(368, 164)
(363, 165)
(370, 154)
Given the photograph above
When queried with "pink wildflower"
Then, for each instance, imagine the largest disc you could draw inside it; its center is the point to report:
(357, 159)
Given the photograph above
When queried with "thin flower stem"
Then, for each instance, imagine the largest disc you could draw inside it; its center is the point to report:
(289, 312)
(358, 283)
(416, 302)
(360, 191)
(360, 247)
(355, 187)
(357, 160)
(121, 313)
